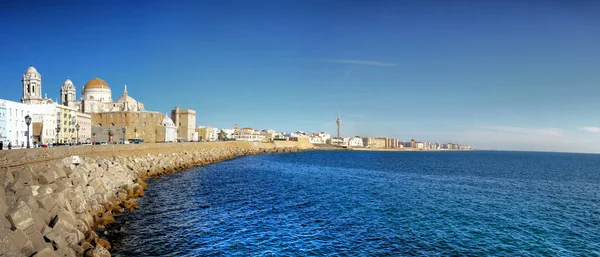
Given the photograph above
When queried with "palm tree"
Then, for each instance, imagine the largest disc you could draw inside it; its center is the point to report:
(222, 136)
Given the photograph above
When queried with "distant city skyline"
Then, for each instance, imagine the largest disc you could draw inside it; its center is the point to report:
(513, 75)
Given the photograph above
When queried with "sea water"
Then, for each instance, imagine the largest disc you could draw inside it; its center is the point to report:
(354, 203)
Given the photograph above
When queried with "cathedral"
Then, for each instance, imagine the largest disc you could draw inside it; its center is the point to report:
(96, 97)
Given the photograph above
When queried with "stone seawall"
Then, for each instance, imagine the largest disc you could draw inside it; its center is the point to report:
(52, 204)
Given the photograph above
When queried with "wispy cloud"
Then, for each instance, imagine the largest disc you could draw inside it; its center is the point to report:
(361, 62)
(591, 129)
(526, 131)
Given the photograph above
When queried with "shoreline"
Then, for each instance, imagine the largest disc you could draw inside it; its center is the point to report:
(64, 206)
(404, 150)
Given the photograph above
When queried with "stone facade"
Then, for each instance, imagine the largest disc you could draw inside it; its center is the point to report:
(185, 121)
(108, 134)
(145, 125)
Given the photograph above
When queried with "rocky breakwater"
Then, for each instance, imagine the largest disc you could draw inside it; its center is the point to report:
(56, 208)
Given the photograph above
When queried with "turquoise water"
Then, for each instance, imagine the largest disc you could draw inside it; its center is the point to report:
(350, 203)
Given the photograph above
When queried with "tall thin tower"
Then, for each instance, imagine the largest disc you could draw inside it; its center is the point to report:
(339, 124)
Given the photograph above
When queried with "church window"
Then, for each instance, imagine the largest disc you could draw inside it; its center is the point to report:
(28, 88)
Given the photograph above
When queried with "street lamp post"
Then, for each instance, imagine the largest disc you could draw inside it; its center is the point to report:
(28, 122)
(155, 135)
(57, 131)
(94, 135)
(77, 139)
(124, 129)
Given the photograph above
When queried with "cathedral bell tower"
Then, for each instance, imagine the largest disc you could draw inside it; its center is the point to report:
(32, 86)
(68, 94)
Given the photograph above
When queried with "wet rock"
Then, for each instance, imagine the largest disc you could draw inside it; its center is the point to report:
(101, 242)
(97, 251)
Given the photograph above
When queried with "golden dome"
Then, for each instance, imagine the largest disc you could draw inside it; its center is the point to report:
(96, 83)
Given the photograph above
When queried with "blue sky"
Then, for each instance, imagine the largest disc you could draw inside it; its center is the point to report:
(494, 74)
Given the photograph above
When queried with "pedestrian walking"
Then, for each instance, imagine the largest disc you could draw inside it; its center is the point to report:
(9, 145)
(1, 145)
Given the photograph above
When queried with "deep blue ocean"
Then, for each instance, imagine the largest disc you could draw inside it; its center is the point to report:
(353, 203)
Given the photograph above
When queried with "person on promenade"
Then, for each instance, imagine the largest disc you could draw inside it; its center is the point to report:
(9, 145)
(1, 145)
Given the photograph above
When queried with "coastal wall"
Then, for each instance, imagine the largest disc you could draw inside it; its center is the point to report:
(53, 204)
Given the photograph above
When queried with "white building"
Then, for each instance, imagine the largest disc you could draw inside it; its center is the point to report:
(45, 116)
(213, 134)
(320, 138)
(248, 134)
(354, 142)
(228, 132)
(96, 97)
(170, 129)
(16, 129)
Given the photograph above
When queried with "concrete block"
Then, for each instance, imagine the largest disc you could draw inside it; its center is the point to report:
(45, 215)
(37, 240)
(46, 202)
(57, 238)
(23, 243)
(30, 201)
(3, 208)
(4, 223)
(46, 230)
(60, 173)
(47, 177)
(66, 252)
(20, 217)
(46, 253)
(27, 190)
(45, 190)
(54, 211)
(7, 241)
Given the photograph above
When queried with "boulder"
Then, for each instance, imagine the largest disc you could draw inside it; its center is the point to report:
(97, 251)
(20, 217)
(101, 242)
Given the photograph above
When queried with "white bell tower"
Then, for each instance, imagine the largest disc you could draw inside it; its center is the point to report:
(68, 94)
(32, 86)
